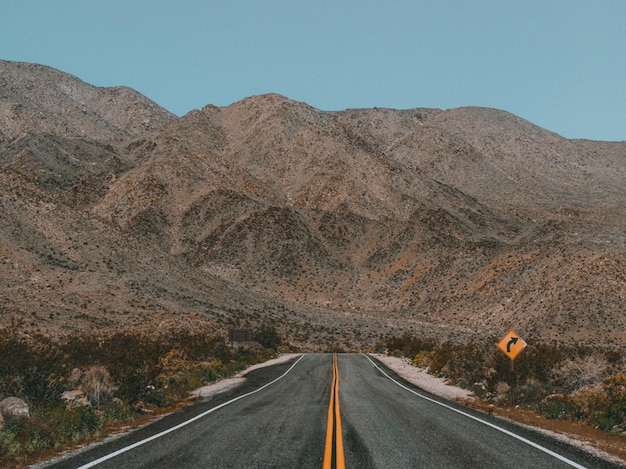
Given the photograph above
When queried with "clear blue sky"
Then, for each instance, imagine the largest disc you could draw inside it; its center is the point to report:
(561, 64)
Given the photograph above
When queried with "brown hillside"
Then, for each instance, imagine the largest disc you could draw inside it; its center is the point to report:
(336, 227)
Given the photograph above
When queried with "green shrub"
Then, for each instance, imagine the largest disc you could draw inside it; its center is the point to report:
(408, 345)
(614, 416)
(556, 407)
(70, 424)
(268, 337)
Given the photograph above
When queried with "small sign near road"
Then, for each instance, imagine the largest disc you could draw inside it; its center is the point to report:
(239, 335)
(512, 345)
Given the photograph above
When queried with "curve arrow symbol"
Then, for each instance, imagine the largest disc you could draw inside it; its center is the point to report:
(513, 341)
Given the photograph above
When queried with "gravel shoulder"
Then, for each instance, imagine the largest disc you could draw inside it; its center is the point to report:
(421, 378)
(229, 383)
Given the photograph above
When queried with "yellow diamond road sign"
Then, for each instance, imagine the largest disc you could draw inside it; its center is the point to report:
(512, 345)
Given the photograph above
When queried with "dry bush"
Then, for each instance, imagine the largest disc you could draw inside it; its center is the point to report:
(97, 385)
(502, 389)
(573, 374)
(423, 359)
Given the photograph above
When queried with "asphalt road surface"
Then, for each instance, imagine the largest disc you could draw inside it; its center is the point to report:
(281, 415)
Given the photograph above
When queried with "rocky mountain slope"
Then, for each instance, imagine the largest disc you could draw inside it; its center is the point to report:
(336, 227)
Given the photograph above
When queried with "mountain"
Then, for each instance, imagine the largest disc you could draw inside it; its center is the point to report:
(37, 99)
(335, 227)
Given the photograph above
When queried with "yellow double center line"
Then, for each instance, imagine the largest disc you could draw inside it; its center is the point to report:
(333, 426)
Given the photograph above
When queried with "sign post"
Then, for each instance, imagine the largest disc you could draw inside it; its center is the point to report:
(238, 336)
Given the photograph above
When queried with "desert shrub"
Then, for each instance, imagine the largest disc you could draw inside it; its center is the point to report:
(133, 361)
(232, 367)
(268, 353)
(116, 411)
(73, 424)
(576, 373)
(615, 388)
(179, 375)
(8, 446)
(30, 367)
(211, 372)
(268, 337)
(526, 393)
(423, 358)
(442, 357)
(21, 437)
(557, 406)
(465, 363)
(98, 385)
(613, 417)
(408, 345)
(200, 344)
(501, 389)
(44, 430)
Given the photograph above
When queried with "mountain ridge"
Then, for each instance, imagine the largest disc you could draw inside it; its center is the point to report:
(337, 227)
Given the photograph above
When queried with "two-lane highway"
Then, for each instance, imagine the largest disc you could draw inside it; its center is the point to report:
(284, 420)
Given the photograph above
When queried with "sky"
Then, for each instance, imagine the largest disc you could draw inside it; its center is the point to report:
(561, 64)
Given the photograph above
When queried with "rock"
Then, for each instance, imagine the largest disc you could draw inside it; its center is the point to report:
(117, 401)
(14, 407)
(75, 398)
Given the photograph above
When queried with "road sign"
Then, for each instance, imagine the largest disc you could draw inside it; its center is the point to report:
(512, 345)
(239, 335)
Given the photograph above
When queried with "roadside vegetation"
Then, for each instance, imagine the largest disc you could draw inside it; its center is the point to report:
(79, 387)
(586, 384)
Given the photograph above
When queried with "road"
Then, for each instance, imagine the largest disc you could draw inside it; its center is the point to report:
(281, 417)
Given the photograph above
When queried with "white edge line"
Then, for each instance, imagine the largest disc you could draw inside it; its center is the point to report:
(186, 422)
(484, 422)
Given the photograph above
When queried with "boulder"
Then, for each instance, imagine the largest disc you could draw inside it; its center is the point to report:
(75, 398)
(14, 407)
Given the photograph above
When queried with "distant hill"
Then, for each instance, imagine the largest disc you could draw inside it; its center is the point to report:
(335, 227)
